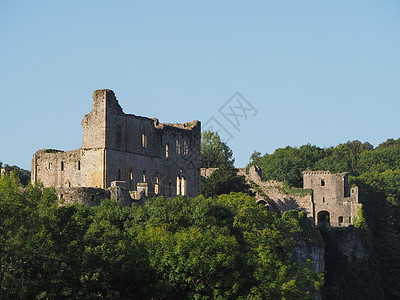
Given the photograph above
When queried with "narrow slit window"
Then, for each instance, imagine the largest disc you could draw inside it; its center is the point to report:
(323, 199)
(178, 147)
(131, 179)
(144, 140)
(119, 136)
(79, 165)
(144, 176)
(119, 174)
(185, 148)
(62, 166)
(50, 165)
(166, 151)
(156, 179)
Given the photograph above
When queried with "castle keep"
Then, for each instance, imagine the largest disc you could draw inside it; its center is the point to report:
(124, 152)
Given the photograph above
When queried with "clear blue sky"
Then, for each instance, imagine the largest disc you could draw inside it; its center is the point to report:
(319, 72)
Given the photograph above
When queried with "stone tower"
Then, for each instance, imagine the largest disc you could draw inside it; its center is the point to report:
(333, 200)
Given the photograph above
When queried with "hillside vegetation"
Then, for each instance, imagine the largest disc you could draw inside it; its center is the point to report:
(377, 173)
(226, 247)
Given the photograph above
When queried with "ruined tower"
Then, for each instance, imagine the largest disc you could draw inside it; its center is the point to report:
(158, 158)
(334, 202)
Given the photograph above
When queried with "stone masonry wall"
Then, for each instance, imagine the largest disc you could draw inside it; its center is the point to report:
(332, 196)
(324, 194)
(123, 147)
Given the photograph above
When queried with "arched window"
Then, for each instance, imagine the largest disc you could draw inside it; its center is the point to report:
(322, 182)
(181, 185)
(178, 185)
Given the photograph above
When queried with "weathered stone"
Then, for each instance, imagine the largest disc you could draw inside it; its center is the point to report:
(123, 147)
(326, 197)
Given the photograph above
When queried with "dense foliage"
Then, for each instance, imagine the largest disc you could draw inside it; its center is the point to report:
(24, 176)
(214, 152)
(224, 180)
(177, 248)
(377, 173)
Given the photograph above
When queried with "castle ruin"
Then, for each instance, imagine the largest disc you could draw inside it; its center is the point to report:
(123, 155)
(326, 197)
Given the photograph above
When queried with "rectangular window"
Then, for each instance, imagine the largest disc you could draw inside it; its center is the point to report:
(178, 147)
(185, 148)
(322, 182)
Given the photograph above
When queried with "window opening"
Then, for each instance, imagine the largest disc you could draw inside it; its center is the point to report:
(322, 182)
(119, 135)
(156, 184)
(119, 174)
(131, 179)
(178, 147)
(79, 165)
(144, 141)
(185, 148)
(62, 166)
(144, 176)
(166, 151)
(340, 219)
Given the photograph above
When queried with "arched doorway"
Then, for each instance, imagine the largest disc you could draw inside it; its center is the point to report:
(323, 218)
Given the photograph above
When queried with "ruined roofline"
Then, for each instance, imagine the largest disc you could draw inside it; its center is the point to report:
(184, 126)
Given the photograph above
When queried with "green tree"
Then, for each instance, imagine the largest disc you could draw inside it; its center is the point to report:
(224, 181)
(214, 152)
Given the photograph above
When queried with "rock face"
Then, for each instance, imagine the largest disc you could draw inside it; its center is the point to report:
(316, 253)
(123, 147)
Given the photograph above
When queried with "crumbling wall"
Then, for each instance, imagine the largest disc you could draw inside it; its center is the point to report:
(77, 168)
(123, 147)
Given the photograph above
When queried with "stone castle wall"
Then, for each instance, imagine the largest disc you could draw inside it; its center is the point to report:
(326, 196)
(332, 196)
(124, 147)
